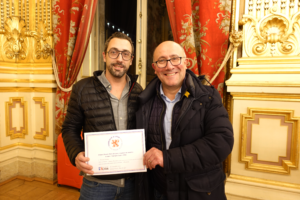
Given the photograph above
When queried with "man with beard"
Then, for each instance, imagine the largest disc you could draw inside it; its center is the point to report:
(105, 102)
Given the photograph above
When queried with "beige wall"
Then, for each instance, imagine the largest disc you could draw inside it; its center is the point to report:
(265, 102)
(27, 90)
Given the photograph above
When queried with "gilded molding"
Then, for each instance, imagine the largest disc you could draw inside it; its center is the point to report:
(27, 89)
(251, 160)
(24, 71)
(266, 70)
(45, 107)
(263, 84)
(227, 98)
(27, 145)
(266, 97)
(26, 65)
(26, 81)
(12, 131)
(265, 181)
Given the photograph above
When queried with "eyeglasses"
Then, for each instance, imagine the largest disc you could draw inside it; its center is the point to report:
(113, 53)
(163, 63)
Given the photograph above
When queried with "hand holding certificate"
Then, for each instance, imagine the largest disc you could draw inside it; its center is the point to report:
(116, 152)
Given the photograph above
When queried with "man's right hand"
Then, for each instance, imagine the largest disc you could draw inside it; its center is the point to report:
(80, 162)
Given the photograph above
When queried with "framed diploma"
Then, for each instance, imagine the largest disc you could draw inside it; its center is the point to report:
(116, 152)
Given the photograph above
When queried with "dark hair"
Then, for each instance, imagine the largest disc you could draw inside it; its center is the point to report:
(120, 36)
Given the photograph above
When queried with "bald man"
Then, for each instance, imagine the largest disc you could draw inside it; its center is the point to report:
(188, 133)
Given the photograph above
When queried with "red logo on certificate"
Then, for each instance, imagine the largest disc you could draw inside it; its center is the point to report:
(115, 142)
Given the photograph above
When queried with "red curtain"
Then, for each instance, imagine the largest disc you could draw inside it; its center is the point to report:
(202, 29)
(72, 25)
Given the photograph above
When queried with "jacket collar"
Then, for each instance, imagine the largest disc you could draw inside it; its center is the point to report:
(192, 84)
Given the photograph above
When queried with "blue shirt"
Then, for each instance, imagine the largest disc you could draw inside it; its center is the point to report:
(168, 116)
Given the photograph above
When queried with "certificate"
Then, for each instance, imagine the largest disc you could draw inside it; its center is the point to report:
(116, 152)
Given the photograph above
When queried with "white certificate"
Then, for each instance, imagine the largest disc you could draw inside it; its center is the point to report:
(116, 152)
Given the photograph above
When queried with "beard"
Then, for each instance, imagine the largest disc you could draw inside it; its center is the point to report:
(117, 73)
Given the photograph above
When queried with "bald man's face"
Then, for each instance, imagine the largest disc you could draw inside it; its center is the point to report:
(170, 76)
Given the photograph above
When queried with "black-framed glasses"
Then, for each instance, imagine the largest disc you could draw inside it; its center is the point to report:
(113, 53)
(163, 63)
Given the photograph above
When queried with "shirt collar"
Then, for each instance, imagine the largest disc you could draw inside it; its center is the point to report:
(162, 94)
(107, 84)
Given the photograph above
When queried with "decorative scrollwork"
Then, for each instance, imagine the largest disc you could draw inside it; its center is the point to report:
(19, 29)
(259, 48)
(273, 34)
(43, 49)
(286, 47)
(14, 30)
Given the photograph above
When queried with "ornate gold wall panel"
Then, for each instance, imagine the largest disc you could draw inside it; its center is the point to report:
(44, 132)
(25, 32)
(274, 32)
(284, 118)
(11, 131)
(271, 34)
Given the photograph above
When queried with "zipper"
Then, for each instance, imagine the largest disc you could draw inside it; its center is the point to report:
(160, 120)
(173, 113)
(179, 120)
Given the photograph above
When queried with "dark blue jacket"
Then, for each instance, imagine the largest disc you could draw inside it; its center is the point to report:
(201, 140)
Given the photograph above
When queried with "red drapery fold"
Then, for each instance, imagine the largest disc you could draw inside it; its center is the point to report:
(202, 29)
(72, 25)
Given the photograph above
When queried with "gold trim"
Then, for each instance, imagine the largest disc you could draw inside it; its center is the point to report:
(269, 60)
(26, 81)
(265, 181)
(29, 71)
(45, 107)
(27, 89)
(27, 145)
(287, 162)
(263, 84)
(10, 131)
(27, 65)
(266, 97)
(227, 98)
(265, 70)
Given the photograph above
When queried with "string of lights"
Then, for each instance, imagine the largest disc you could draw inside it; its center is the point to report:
(114, 27)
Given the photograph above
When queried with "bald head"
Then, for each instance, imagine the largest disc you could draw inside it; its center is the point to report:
(168, 44)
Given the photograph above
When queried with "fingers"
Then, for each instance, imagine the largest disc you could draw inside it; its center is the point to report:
(80, 162)
(152, 158)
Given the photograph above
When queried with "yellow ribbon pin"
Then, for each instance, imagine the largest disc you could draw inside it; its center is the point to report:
(187, 94)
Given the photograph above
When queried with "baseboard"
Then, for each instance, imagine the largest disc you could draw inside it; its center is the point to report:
(29, 179)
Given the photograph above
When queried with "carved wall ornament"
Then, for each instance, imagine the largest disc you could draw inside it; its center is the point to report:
(42, 47)
(25, 32)
(275, 34)
(236, 38)
(14, 46)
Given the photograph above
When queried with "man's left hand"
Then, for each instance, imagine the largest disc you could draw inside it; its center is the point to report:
(153, 157)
